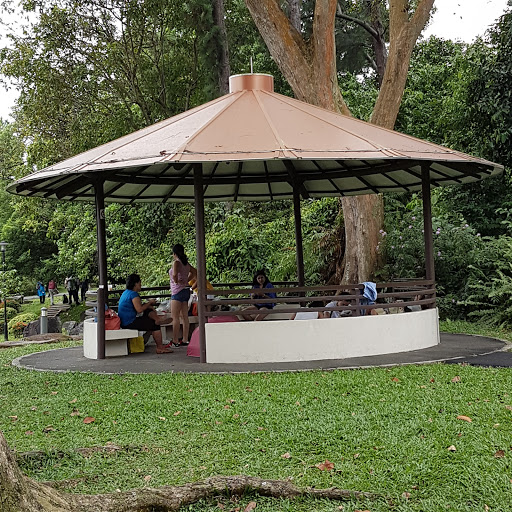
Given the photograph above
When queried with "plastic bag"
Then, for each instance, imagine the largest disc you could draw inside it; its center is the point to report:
(136, 345)
(112, 321)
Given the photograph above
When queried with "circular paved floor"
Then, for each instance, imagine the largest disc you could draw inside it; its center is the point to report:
(454, 348)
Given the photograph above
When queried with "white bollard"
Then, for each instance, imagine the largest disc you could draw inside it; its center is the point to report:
(43, 325)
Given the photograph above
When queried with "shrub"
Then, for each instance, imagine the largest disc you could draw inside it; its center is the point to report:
(11, 303)
(456, 248)
(19, 322)
(24, 317)
(11, 313)
(490, 283)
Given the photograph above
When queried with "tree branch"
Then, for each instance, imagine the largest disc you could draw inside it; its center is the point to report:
(403, 35)
(361, 23)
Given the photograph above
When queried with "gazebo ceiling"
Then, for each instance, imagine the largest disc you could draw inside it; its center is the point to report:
(254, 144)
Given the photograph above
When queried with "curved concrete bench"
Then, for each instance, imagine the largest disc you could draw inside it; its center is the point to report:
(116, 341)
(328, 338)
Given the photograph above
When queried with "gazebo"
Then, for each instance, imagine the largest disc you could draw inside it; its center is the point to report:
(255, 145)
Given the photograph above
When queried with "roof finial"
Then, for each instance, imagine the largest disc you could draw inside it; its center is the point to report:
(251, 82)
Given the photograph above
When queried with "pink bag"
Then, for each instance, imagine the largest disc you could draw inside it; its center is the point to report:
(112, 321)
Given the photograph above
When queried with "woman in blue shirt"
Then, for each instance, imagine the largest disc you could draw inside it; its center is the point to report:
(130, 304)
(41, 292)
(260, 284)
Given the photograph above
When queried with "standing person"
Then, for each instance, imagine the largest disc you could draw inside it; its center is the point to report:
(260, 284)
(130, 304)
(74, 284)
(180, 274)
(52, 290)
(83, 288)
(41, 292)
(67, 284)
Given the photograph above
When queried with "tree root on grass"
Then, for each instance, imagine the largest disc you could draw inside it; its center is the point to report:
(19, 493)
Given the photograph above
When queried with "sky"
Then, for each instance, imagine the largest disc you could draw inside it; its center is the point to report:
(462, 20)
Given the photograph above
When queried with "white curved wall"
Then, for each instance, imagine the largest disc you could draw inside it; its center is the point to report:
(330, 338)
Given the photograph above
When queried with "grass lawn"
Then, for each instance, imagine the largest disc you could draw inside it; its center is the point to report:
(387, 431)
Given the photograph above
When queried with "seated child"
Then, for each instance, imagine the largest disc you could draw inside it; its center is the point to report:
(311, 315)
(339, 303)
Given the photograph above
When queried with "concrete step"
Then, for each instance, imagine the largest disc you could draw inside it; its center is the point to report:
(56, 309)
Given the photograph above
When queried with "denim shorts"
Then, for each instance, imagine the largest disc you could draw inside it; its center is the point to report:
(182, 296)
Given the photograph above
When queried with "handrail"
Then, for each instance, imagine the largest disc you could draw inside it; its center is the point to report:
(389, 295)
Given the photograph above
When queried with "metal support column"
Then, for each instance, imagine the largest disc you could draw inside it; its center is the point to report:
(201, 258)
(427, 222)
(102, 266)
(4, 297)
(298, 237)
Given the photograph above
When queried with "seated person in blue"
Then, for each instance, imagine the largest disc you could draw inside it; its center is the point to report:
(130, 304)
(260, 284)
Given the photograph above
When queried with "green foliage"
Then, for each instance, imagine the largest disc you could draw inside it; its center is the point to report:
(360, 95)
(11, 312)
(23, 317)
(12, 149)
(355, 45)
(74, 314)
(490, 283)
(245, 42)
(89, 73)
(251, 236)
(73, 229)
(235, 250)
(14, 304)
(489, 93)
(12, 284)
(456, 247)
(457, 95)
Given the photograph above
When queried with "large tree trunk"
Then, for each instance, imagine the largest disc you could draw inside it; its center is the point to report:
(294, 13)
(21, 494)
(310, 69)
(363, 216)
(219, 16)
(378, 42)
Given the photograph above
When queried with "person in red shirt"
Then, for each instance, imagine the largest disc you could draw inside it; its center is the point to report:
(52, 290)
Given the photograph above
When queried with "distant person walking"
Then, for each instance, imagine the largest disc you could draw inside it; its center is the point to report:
(75, 286)
(67, 284)
(83, 288)
(41, 292)
(71, 284)
(52, 290)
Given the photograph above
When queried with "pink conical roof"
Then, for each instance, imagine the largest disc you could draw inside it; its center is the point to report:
(253, 144)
